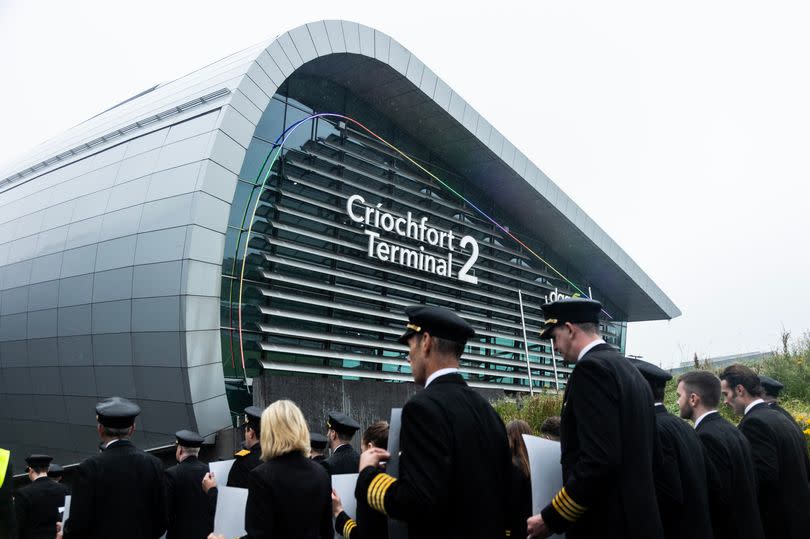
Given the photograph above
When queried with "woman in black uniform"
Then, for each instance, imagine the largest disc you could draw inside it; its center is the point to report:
(369, 524)
(289, 495)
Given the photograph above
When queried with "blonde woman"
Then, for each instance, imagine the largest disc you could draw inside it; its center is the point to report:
(289, 495)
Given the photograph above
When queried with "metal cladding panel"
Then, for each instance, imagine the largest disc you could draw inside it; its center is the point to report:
(100, 239)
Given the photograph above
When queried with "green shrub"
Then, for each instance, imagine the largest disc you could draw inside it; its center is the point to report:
(791, 366)
(531, 409)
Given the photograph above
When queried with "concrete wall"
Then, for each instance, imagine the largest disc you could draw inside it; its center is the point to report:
(365, 401)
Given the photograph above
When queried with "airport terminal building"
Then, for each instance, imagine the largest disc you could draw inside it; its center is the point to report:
(268, 217)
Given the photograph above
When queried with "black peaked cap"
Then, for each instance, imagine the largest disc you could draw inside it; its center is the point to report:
(188, 438)
(253, 415)
(574, 310)
(317, 441)
(340, 422)
(651, 372)
(38, 461)
(117, 412)
(437, 321)
(772, 387)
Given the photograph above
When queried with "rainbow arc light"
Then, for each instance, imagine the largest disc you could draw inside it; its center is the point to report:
(272, 157)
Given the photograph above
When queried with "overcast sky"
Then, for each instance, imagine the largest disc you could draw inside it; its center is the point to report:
(682, 128)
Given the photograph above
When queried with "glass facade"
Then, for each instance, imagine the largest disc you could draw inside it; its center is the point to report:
(318, 296)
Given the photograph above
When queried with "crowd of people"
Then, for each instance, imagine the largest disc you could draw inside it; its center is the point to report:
(630, 469)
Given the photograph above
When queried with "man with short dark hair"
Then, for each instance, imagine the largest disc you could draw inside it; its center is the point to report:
(248, 458)
(37, 504)
(730, 475)
(340, 431)
(550, 429)
(780, 456)
(680, 472)
(607, 436)
(187, 503)
(454, 460)
(244, 460)
(119, 492)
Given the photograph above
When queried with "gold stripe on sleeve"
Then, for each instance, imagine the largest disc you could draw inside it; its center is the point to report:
(348, 527)
(565, 503)
(562, 510)
(377, 499)
(373, 487)
(376, 491)
(570, 500)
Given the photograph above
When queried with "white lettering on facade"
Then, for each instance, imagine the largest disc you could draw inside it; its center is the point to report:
(419, 230)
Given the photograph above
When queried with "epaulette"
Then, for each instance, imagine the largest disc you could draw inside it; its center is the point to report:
(242, 453)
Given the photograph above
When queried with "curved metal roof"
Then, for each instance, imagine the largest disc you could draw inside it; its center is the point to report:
(392, 79)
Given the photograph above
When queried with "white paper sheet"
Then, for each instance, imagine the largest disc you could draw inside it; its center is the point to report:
(546, 472)
(66, 513)
(344, 486)
(396, 528)
(221, 469)
(229, 519)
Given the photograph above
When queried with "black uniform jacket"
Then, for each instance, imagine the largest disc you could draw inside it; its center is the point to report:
(118, 493)
(783, 472)
(186, 503)
(344, 460)
(244, 461)
(607, 437)
(369, 524)
(775, 406)
(37, 507)
(731, 480)
(680, 479)
(520, 503)
(289, 496)
(455, 466)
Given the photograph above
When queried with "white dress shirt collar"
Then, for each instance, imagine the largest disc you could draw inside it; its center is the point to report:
(698, 420)
(748, 408)
(338, 447)
(440, 372)
(588, 347)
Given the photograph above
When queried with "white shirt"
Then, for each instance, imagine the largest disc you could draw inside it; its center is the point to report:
(748, 408)
(588, 347)
(698, 420)
(440, 372)
(338, 447)
(108, 444)
(659, 403)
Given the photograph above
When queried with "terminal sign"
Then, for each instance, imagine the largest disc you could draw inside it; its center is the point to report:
(378, 222)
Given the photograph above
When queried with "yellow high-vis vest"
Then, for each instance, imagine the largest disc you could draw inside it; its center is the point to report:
(5, 454)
